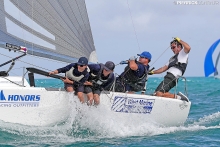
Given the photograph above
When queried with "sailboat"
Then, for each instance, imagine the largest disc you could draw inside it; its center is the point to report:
(60, 30)
(209, 67)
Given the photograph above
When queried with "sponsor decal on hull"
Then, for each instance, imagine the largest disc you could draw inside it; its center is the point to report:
(132, 105)
(17, 100)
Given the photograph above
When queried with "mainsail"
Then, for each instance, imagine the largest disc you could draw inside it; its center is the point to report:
(209, 67)
(55, 29)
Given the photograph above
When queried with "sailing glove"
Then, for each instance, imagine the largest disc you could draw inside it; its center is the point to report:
(123, 62)
(132, 58)
(151, 73)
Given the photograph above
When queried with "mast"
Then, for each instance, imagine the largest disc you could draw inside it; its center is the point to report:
(216, 65)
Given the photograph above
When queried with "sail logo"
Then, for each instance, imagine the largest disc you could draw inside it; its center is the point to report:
(2, 97)
(132, 105)
(19, 100)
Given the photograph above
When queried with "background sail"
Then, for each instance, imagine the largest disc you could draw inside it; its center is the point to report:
(216, 65)
(208, 64)
(56, 29)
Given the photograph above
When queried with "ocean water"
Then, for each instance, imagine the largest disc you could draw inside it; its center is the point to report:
(100, 128)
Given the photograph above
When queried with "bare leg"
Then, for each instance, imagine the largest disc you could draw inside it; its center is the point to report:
(96, 99)
(69, 89)
(166, 95)
(90, 98)
(81, 97)
(169, 95)
(158, 93)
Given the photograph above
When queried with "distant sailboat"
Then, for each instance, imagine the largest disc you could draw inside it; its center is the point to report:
(209, 66)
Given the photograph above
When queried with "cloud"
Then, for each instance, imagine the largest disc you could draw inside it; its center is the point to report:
(155, 23)
(123, 23)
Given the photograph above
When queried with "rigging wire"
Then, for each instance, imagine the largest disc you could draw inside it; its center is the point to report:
(33, 64)
(133, 27)
(160, 55)
(134, 33)
(137, 37)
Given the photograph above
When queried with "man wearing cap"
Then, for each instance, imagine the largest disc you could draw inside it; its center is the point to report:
(76, 75)
(175, 68)
(101, 77)
(135, 74)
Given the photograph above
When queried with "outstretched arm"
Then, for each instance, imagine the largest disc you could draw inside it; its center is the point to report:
(160, 70)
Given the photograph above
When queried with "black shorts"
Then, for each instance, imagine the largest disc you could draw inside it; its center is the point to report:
(79, 88)
(168, 83)
(89, 89)
(132, 88)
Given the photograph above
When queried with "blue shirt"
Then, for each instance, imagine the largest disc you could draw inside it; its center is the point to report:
(138, 73)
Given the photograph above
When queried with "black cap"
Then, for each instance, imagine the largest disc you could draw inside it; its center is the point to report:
(109, 65)
(82, 61)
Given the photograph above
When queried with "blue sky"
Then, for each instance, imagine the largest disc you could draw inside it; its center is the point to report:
(120, 32)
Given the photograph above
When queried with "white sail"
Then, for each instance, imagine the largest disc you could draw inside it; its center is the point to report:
(52, 29)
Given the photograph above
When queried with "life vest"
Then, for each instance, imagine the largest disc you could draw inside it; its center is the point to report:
(138, 83)
(101, 81)
(173, 62)
(98, 80)
(70, 74)
(93, 76)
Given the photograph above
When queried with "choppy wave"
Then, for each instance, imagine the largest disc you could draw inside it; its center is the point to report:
(95, 126)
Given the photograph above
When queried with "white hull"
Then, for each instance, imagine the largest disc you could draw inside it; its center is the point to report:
(39, 107)
(50, 109)
(164, 111)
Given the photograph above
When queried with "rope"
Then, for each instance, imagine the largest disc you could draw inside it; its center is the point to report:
(160, 55)
(13, 82)
(112, 88)
(169, 83)
(30, 63)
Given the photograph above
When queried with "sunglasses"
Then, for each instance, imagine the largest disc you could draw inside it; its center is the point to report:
(81, 65)
(143, 57)
(173, 47)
